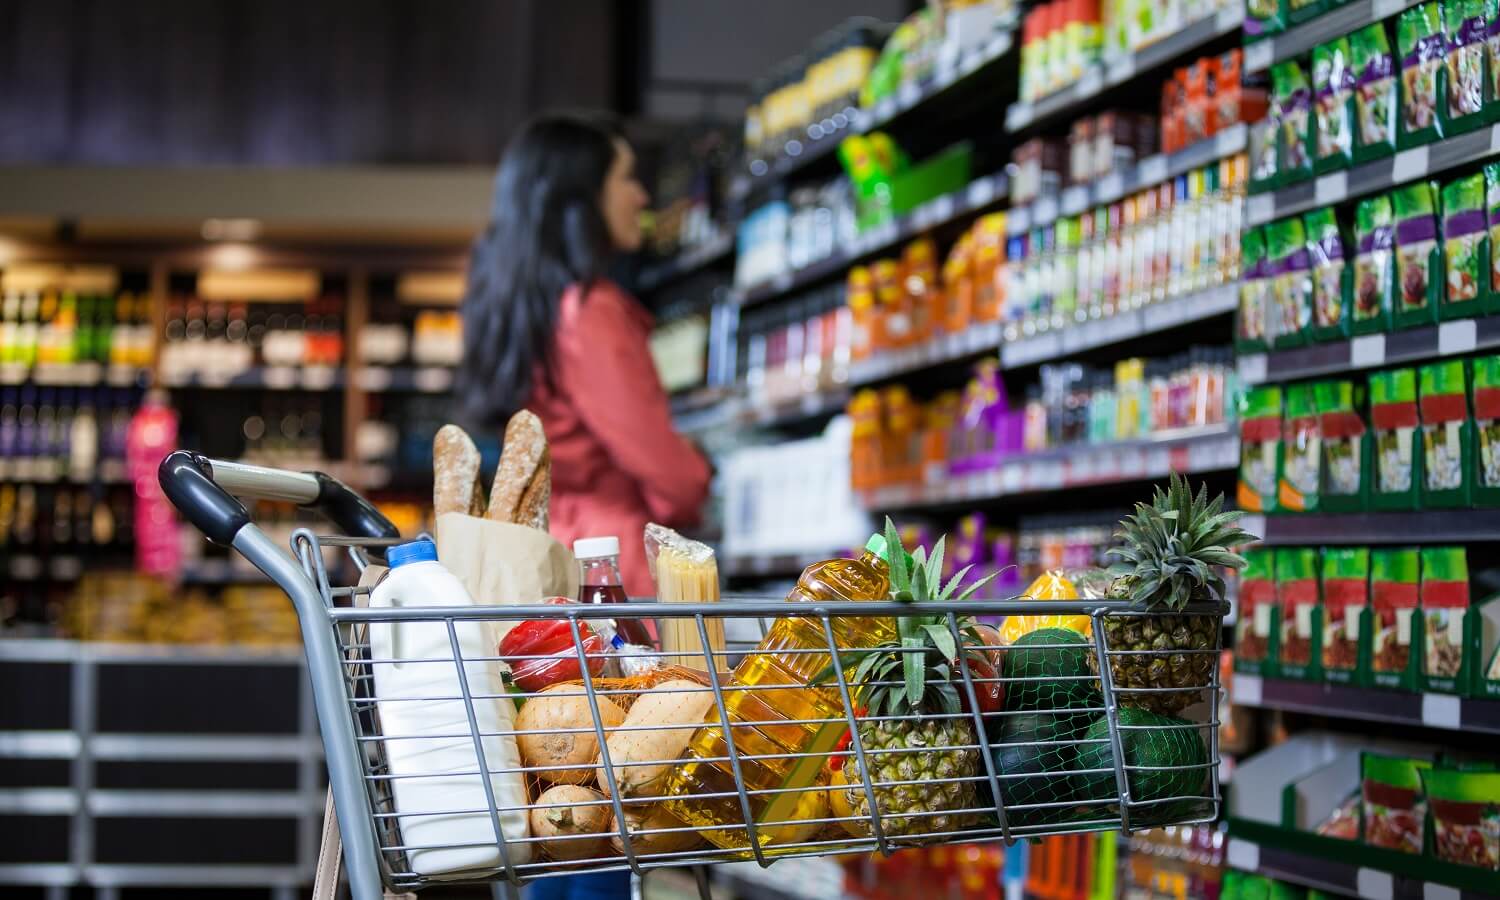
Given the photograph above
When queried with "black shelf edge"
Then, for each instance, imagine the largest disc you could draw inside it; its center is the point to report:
(978, 196)
(1444, 711)
(813, 405)
(1372, 177)
(1188, 451)
(658, 275)
(1149, 172)
(278, 378)
(1372, 351)
(1112, 73)
(1431, 526)
(960, 346)
(1300, 39)
(1150, 319)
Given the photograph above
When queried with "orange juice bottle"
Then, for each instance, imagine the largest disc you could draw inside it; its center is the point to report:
(864, 443)
(861, 300)
(893, 312)
(958, 286)
(919, 278)
(989, 254)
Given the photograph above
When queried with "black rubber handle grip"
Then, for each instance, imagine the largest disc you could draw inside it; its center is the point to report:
(187, 480)
(352, 514)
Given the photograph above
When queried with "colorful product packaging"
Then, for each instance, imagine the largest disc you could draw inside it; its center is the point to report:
(1486, 381)
(1332, 278)
(1445, 606)
(1263, 136)
(1374, 266)
(1256, 639)
(1492, 209)
(1466, 247)
(1395, 593)
(1301, 451)
(1347, 447)
(1255, 289)
(1465, 22)
(1394, 810)
(1333, 105)
(1297, 598)
(1465, 811)
(1263, 18)
(1346, 598)
(1299, 11)
(1375, 93)
(1396, 422)
(1422, 45)
(1292, 102)
(1419, 255)
(1260, 449)
(1291, 283)
(1447, 435)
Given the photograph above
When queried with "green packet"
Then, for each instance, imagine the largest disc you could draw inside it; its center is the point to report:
(1419, 256)
(1465, 22)
(1297, 597)
(1374, 266)
(1331, 276)
(1291, 97)
(1333, 105)
(1393, 809)
(1346, 446)
(1492, 213)
(1466, 247)
(1346, 594)
(1487, 429)
(1395, 593)
(1291, 282)
(1260, 449)
(1375, 92)
(1264, 18)
(1257, 601)
(1250, 322)
(1445, 601)
(1465, 812)
(1421, 43)
(1447, 434)
(1302, 451)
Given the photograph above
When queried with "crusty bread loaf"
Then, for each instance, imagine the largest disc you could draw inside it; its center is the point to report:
(455, 473)
(534, 500)
(521, 459)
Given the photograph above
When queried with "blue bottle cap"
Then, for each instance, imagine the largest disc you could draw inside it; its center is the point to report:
(416, 551)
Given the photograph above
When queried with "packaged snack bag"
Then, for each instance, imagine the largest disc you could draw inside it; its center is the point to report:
(1492, 209)
(1260, 449)
(1292, 101)
(1394, 809)
(1333, 105)
(1394, 595)
(1346, 594)
(1374, 266)
(1465, 808)
(1332, 279)
(1302, 451)
(1375, 92)
(1445, 600)
(1264, 17)
(1257, 599)
(1466, 247)
(1346, 446)
(1465, 22)
(1419, 257)
(1297, 599)
(1447, 434)
(1422, 44)
(1291, 282)
(1487, 430)
(1396, 422)
(1262, 139)
(1299, 11)
(1255, 290)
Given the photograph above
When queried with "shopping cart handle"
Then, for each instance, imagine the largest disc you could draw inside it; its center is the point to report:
(201, 489)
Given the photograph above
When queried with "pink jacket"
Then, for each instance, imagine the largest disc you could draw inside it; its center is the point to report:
(617, 462)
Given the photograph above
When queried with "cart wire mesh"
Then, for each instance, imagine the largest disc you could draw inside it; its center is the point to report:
(807, 770)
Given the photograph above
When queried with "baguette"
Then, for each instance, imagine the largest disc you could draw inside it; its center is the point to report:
(455, 473)
(533, 509)
(521, 459)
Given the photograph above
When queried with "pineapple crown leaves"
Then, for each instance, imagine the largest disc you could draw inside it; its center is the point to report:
(916, 672)
(1174, 546)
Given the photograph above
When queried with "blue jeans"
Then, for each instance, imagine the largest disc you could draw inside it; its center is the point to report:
(586, 886)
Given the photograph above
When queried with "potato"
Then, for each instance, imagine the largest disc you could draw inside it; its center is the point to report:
(647, 817)
(571, 820)
(679, 702)
(544, 740)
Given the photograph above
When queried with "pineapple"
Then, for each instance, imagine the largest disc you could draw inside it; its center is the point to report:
(1173, 551)
(917, 687)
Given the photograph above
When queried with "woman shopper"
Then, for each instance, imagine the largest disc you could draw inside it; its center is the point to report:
(545, 329)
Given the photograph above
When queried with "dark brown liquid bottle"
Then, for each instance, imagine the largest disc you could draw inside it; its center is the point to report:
(599, 582)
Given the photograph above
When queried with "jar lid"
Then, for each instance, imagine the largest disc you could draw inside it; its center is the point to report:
(595, 547)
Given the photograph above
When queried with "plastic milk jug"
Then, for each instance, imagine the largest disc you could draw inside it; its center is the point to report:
(428, 740)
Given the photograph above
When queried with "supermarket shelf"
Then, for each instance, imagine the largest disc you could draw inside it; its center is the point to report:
(709, 253)
(808, 406)
(1300, 39)
(1196, 450)
(972, 341)
(54, 471)
(1121, 327)
(978, 195)
(1368, 704)
(1111, 73)
(1371, 351)
(409, 379)
(280, 378)
(1151, 171)
(824, 137)
(86, 374)
(1375, 176)
(1432, 526)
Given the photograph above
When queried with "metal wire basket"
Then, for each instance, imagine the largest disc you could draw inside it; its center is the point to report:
(805, 772)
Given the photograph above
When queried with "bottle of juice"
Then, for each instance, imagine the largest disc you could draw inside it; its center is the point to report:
(777, 661)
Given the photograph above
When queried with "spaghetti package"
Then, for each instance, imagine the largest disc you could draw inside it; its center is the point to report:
(685, 571)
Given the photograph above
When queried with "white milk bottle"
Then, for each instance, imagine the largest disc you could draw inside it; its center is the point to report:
(436, 808)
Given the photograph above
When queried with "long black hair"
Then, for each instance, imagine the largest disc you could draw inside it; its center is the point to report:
(546, 232)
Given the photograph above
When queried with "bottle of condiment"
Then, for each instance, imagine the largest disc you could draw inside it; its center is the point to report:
(599, 582)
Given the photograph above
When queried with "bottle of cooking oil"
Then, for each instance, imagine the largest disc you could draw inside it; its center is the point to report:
(866, 578)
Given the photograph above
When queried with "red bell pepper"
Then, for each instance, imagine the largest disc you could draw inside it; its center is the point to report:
(540, 652)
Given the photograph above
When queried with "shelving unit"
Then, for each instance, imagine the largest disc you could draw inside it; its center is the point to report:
(1415, 345)
(1325, 872)
(1431, 526)
(1368, 704)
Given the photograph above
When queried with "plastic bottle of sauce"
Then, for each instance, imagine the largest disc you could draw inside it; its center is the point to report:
(599, 582)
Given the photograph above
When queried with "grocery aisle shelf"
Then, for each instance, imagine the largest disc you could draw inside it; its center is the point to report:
(1430, 526)
(978, 195)
(84, 374)
(1371, 351)
(307, 378)
(1125, 326)
(1368, 704)
(809, 406)
(1198, 450)
(1373, 177)
(1113, 72)
(418, 379)
(709, 253)
(972, 341)
(823, 137)
(1300, 39)
(53, 567)
(1149, 172)
(54, 471)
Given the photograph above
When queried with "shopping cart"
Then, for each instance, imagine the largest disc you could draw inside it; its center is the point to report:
(1068, 759)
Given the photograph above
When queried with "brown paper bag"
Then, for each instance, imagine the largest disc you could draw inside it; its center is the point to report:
(503, 564)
